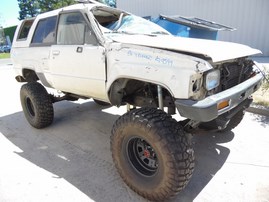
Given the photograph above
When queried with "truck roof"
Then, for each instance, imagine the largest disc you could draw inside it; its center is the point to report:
(80, 5)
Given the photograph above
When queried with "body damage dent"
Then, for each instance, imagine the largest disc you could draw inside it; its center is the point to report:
(166, 68)
(207, 48)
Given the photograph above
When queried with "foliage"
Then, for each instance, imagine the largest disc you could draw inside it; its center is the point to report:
(265, 85)
(2, 36)
(49, 5)
(30, 8)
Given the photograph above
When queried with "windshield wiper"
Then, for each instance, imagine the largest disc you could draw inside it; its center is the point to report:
(153, 34)
(160, 32)
(119, 32)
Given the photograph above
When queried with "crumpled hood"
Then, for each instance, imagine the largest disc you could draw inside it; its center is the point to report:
(216, 50)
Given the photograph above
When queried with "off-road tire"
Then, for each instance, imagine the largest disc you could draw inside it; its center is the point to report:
(101, 103)
(168, 148)
(37, 105)
(234, 121)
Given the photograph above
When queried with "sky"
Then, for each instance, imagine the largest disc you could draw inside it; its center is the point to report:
(9, 13)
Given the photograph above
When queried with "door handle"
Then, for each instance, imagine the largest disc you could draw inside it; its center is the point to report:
(55, 52)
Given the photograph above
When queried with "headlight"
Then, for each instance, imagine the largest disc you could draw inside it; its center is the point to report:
(212, 79)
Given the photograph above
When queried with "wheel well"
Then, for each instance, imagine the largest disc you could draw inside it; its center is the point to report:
(138, 93)
(29, 75)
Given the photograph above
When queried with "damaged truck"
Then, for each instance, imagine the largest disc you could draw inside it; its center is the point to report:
(89, 50)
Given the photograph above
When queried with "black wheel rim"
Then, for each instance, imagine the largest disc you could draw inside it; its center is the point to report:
(142, 156)
(30, 107)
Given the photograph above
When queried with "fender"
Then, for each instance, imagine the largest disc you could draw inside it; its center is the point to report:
(174, 71)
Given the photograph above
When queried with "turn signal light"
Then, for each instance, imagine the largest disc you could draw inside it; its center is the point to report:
(223, 104)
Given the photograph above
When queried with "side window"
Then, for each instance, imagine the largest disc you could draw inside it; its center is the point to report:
(25, 28)
(45, 32)
(73, 30)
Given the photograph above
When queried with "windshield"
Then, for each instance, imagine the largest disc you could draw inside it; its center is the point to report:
(115, 21)
(136, 25)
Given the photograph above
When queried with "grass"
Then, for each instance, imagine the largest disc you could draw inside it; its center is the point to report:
(261, 96)
(262, 103)
(4, 55)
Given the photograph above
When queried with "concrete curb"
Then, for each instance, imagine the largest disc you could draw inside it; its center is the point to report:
(258, 109)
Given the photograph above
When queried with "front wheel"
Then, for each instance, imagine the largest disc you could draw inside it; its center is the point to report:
(36, 104)
(152, 153)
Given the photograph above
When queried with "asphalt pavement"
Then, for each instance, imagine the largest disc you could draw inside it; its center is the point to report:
(71, 159)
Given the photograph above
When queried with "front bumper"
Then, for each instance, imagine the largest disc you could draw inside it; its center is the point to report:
(207, 109)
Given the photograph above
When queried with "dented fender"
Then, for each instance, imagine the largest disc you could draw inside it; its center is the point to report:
(174, 71)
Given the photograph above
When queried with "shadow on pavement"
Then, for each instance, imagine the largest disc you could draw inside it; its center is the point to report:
(76, 147)
(263, 120)
(209, 158)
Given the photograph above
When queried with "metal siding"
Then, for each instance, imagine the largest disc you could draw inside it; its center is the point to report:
(249, 17)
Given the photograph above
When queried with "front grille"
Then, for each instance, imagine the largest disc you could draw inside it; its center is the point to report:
(234, 73)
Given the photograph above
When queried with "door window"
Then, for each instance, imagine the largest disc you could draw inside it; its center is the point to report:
(45, 32)
(74, 30)
(24, 31)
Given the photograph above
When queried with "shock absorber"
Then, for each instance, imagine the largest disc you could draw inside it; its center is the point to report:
(160, 97)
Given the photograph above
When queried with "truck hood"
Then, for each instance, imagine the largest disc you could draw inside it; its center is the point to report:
(216, 50)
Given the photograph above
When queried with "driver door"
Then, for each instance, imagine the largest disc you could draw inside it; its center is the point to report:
(77, 62)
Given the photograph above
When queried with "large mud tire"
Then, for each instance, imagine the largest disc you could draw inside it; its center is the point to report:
(152, 153)
(37, 105)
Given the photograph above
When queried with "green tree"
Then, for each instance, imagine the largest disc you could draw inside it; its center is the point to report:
(49, 5)
(2, 36)
(28, 8)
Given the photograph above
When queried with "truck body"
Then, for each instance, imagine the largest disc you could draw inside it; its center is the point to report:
(89, 50)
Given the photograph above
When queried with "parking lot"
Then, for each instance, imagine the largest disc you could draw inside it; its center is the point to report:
(71, 159)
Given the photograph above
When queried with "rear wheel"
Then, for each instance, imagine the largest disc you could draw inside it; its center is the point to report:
(36, 104)
(152, 153)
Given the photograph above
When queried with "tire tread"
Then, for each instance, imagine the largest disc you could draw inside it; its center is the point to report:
(42, 103)
(174, 143)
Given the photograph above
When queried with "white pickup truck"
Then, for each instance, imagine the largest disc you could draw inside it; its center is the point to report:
(89, 50)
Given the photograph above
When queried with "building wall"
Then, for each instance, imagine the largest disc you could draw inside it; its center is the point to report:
(249, 17)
